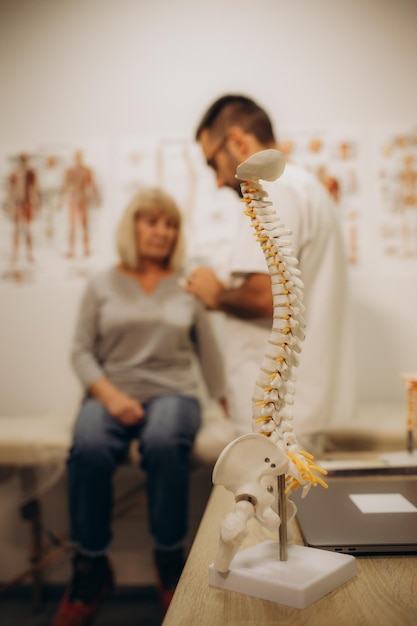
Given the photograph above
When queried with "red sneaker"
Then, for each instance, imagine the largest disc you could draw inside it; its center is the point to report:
(91, 583)
(165, 596)
(169, 565)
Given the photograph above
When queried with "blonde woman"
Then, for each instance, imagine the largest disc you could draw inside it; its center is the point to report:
(136, 339)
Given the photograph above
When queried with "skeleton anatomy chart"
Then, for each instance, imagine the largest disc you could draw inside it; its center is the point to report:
(60, 202)
(335, 157)
(396, 180)
(51, 207)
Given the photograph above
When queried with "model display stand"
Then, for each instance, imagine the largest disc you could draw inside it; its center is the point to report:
(307, 575)
(263, 467)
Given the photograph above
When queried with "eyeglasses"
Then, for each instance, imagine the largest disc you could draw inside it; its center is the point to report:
(211, 162)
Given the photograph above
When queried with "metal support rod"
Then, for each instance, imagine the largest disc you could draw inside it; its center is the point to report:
(282, 512)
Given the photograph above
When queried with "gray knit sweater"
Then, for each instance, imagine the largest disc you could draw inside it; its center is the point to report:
(146, 344)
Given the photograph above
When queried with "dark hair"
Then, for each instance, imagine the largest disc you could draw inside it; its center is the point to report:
(239, 111)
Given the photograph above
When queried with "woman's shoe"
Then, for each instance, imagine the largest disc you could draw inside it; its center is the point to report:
(91, 583)
(169, 565)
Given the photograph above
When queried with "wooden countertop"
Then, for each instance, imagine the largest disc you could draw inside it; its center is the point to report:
(384, 592)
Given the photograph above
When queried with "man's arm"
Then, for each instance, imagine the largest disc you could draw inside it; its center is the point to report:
(252, 299)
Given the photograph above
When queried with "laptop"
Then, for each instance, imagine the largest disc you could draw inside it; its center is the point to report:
(360, 516)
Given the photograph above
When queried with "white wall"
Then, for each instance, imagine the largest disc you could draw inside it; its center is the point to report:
(101, 69)
(106, 68)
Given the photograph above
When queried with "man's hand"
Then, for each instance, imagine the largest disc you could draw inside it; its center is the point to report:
(204, 284)
(253, 299)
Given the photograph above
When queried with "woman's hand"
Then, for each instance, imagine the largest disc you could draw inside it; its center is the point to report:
(125, 409)
(122, 407)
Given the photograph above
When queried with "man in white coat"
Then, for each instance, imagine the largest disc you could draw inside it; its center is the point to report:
(232, 129)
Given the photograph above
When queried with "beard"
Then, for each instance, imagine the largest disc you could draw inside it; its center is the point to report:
(234, 183)
(239, 191)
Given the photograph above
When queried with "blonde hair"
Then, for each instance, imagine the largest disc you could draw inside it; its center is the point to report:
(152, 200)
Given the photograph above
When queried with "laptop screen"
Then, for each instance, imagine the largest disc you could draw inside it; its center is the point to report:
(361, 515)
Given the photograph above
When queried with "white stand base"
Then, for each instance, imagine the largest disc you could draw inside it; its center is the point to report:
(307, 575)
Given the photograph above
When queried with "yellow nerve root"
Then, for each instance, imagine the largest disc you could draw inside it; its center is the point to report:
(306, 469)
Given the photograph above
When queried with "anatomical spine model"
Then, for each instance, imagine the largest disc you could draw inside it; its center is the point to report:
(250, 465)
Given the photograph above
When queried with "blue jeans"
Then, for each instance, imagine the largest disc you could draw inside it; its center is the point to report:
(101, 443)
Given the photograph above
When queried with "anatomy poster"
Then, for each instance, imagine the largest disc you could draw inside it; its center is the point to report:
(52, 201)
(178, 166)
(336, 159)
(396, 182)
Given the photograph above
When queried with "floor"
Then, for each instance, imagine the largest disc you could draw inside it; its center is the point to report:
(135, 601)
(127, 607)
